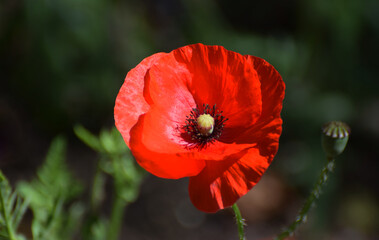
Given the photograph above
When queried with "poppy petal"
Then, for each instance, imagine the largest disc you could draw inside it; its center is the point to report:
(161, 164)
(272, 88)
(269, 121)
(171, 102)
(222, 183)
(155, 137)
(158, 147)
(130, 103)
(225, 78)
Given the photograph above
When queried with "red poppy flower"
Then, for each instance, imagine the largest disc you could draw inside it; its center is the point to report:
(206, 113)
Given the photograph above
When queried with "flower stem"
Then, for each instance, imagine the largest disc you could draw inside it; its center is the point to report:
(118, 208)
(97, 194)
(240, 222)
(5, 216)
(309, 203)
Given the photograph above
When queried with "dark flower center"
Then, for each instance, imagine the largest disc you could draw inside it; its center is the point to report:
(204, 126)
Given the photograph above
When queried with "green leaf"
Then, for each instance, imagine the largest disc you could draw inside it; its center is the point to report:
(118, 141)
(88, 138)
(127, 176)
(113, 142)
(50, 194)
(12, 209)
(107, 141)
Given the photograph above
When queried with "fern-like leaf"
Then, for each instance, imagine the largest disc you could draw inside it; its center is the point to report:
(12, 209)
(49, 194)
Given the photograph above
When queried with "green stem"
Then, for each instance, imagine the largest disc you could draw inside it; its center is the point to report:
(309, 203)
(97, 194)
(240, 222)
(118, 208)
(56, 211)
(5, 217)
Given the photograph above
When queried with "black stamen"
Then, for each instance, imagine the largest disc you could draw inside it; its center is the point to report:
(199, 140)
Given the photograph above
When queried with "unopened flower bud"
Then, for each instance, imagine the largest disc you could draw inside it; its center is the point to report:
(335, 135)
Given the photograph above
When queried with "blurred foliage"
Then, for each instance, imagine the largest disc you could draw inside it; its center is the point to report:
(12, 209)
(63, 62)
(48, 194)
(116, 161)
(53, 197)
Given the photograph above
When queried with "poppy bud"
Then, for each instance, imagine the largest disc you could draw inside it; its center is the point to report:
(334, 138)
(205, 123)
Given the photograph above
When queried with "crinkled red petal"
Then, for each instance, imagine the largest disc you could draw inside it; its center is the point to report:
(130, 103)
(158, 134)
(159, 149)
(170, 103)
(269, 122)
(222, 183)
(222, 77)
(161, 164)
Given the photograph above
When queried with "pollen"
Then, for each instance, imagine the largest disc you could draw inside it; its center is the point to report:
(205, 124)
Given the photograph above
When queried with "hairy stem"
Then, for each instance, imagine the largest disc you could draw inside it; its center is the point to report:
(240, 222)
(309, 203)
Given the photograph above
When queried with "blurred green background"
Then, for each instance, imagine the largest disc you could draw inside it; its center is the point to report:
(63, 61)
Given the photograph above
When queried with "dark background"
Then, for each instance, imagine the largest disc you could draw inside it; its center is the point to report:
(63, 61)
